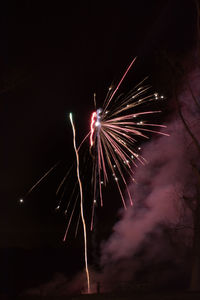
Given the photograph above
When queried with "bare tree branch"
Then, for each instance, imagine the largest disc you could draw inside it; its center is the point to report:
(186, 125)
(193, 96)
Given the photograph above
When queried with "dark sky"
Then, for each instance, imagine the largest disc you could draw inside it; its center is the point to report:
(52, 59)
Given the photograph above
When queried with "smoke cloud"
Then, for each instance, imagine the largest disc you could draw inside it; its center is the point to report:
(158, 193)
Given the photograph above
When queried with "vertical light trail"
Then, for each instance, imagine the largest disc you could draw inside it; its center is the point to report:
(92, 128)
(81, 203)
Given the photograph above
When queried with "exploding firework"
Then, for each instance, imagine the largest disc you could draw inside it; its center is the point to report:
(115, 128)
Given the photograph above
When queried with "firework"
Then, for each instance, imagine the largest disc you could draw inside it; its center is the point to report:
(114, 130)
(81, 202)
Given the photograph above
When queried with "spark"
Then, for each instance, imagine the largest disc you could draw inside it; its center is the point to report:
(81, 202)
(39, 181)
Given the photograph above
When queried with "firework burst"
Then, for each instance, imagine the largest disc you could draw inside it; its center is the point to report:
(115, 129)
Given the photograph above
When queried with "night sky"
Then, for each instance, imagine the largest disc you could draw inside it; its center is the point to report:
(52, 59)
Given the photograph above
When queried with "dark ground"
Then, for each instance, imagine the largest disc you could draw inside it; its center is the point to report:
(124, 296)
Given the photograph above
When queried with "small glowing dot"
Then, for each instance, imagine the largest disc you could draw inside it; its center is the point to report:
(139, 148)
(95, 201)
(102, 182)
(110, 88)
(127, 105)
(134, 116)
(141, 122)
(106, 112)
(140, 100)
(114, 166)
(156, 94)
(116, 179)
(58, 207)
(127, 161)
(21, 200)
(136, 155)
(132, 156)
(162, 97)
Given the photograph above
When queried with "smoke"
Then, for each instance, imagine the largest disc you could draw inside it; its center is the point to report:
(139, 236)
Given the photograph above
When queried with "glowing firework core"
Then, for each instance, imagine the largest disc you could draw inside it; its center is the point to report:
(95, 122)
(92, 128)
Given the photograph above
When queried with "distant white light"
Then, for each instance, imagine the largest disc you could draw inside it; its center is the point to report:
(21, 200)
(162, 97)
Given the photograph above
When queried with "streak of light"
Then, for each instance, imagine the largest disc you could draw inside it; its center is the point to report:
(81, 203)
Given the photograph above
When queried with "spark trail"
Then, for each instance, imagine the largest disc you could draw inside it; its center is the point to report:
(81, 203)
(39, 181)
